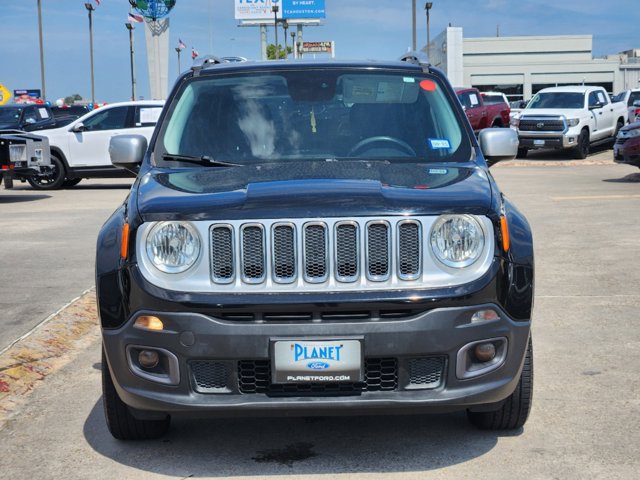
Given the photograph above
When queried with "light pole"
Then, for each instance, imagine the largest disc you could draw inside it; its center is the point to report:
(413, 19)
(293, 44)
(44, 91)
(178, 50)
(131, 58)
(90, 9)
(427, 7)
(285, 25)
(275, 9)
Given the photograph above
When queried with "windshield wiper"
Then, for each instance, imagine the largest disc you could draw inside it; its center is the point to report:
(203, 160)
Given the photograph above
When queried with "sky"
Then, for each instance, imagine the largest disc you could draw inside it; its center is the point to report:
(373, 29)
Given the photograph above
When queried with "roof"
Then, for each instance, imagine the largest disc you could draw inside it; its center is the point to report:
(571, 89)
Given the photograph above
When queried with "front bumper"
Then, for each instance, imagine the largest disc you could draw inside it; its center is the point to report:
(193, 338)
(533, 140)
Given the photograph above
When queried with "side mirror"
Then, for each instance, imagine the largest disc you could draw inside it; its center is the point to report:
(498, 144)
(127, 151)
(78, 128)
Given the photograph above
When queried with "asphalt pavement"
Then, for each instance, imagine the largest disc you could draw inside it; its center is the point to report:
(585, 421)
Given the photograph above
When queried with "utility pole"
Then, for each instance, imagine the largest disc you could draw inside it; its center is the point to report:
(178, 50)
(90, 9)
(131, 58)
(427, 7)
(413, 17)
(44, 90)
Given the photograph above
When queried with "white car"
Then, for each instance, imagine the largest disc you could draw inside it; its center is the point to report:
(81, 149)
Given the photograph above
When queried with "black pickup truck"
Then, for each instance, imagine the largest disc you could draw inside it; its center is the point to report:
(31, 117)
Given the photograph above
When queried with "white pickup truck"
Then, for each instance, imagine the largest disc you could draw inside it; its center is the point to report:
(573, 117)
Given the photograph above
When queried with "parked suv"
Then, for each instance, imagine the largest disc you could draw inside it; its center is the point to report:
(81, 148)
(313, 238)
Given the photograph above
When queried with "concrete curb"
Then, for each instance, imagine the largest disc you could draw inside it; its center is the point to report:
(44, 350)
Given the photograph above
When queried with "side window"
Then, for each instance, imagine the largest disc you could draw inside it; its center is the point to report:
(146, 116)
(474, 100)
(111, 119)
(593, 99)
(464, 100)
(601, 98)
(30, 116)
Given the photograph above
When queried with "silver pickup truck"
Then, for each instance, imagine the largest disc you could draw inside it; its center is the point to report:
(573, 117)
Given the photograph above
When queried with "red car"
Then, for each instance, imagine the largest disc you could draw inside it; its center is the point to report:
(627, 147)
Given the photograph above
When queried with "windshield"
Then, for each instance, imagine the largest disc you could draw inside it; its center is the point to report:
(557, 100)
(297, 115)
(10, 115)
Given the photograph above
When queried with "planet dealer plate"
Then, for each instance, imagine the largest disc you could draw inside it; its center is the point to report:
(316, 361)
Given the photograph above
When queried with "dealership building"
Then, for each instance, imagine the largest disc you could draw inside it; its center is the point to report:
(521, 66)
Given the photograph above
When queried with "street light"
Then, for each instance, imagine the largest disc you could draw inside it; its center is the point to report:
(275, 9)
(293, 44)
(413, 20)
(285, 25)
(131, 56)
(90, 9)
(44, 91)
(427, 7)
(178, 50)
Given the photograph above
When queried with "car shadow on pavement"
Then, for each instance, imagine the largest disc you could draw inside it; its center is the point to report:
(302, 446)
(5, 199)
(631, 178)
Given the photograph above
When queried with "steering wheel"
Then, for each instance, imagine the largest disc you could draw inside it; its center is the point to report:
(367, 143)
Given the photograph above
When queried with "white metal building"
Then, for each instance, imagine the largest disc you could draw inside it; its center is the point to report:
(520, 66)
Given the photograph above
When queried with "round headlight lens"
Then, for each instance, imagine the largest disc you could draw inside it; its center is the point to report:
(173, 247)
(457, 240)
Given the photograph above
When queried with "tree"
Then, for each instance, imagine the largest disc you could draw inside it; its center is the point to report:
(71, 99)
(271, 51)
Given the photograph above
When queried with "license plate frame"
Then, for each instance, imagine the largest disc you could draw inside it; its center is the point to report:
(317, 360)
(538, 143)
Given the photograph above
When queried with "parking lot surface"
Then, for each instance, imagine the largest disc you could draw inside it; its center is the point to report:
(585, 421)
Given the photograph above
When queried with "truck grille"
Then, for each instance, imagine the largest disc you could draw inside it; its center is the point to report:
(542, 124)
(377, 250)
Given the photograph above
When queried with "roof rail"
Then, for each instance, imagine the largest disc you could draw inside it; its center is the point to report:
(417, 58)
(201, 62)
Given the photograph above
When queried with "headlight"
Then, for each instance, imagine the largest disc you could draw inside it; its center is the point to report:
(515, 121)
(457, 240)
(572, 122)
(173, 247)
(629, 133)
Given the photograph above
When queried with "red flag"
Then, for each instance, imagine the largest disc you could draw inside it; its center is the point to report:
(135, 18)
(98, 2)
(194, 53)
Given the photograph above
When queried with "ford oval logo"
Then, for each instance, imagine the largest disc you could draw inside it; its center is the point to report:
(318, 365)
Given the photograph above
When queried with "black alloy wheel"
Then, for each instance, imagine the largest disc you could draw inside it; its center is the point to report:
(52, 179)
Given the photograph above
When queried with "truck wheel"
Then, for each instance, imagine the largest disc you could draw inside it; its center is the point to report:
(121, 423)
(581, 151)
(71, 182)
(522, 152)
(51, 180)
(515, 409)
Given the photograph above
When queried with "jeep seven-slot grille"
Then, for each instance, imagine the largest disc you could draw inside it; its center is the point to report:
(313, 252)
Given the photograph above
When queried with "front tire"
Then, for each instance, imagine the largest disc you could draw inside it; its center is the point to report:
(52, 180)
(515, 410)
(581, 151)
(120, 422)
(71, 182)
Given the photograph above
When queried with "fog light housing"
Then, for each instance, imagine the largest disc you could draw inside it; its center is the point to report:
(485, 352)
(484, 316)
(148, 359)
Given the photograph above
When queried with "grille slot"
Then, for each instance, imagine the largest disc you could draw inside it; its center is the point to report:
(209, 376)
(315, 252)
(378, 251)
(284, 253)
(380, 374)
(253, 253)
(426, 372)
(347, 252)
(222, 261)
(409, 250)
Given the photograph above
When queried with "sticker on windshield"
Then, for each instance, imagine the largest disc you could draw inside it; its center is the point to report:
(437, 171)
(439, 143)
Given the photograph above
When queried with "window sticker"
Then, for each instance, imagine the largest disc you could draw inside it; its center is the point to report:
(439, 143)
(428, 85)
(43, 113)
(473, 98)
(408, 80)
(437, 171)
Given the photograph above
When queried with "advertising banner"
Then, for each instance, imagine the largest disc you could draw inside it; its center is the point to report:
(317, 47)
(287, 9)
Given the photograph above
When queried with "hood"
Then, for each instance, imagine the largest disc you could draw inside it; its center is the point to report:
(313, 189)
(631, 126)
(567, 112)
(9, 126)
